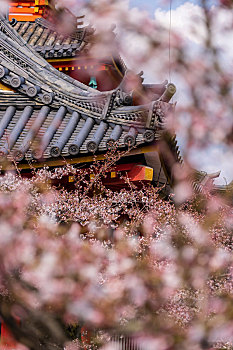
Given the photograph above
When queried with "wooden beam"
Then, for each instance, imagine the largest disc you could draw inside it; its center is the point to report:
(79, 160)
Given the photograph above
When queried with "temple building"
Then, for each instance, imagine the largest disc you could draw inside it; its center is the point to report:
(57, 102)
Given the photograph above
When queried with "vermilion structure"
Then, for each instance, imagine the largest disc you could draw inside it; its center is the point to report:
(27, 10)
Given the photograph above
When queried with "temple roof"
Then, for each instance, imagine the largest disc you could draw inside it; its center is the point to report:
(49, 43)
(50, 114)
(52, 32)
(35, 130)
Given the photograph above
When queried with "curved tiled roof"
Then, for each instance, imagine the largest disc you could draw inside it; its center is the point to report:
(48, 42)
(34, 130)
(58, 131)
(51, 114)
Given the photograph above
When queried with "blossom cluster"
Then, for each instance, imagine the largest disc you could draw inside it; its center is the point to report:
(124, 262)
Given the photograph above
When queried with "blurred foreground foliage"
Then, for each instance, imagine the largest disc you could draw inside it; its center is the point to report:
(125, 262)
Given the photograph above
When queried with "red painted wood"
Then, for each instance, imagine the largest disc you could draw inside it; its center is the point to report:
(7, 340)
(85, 337)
